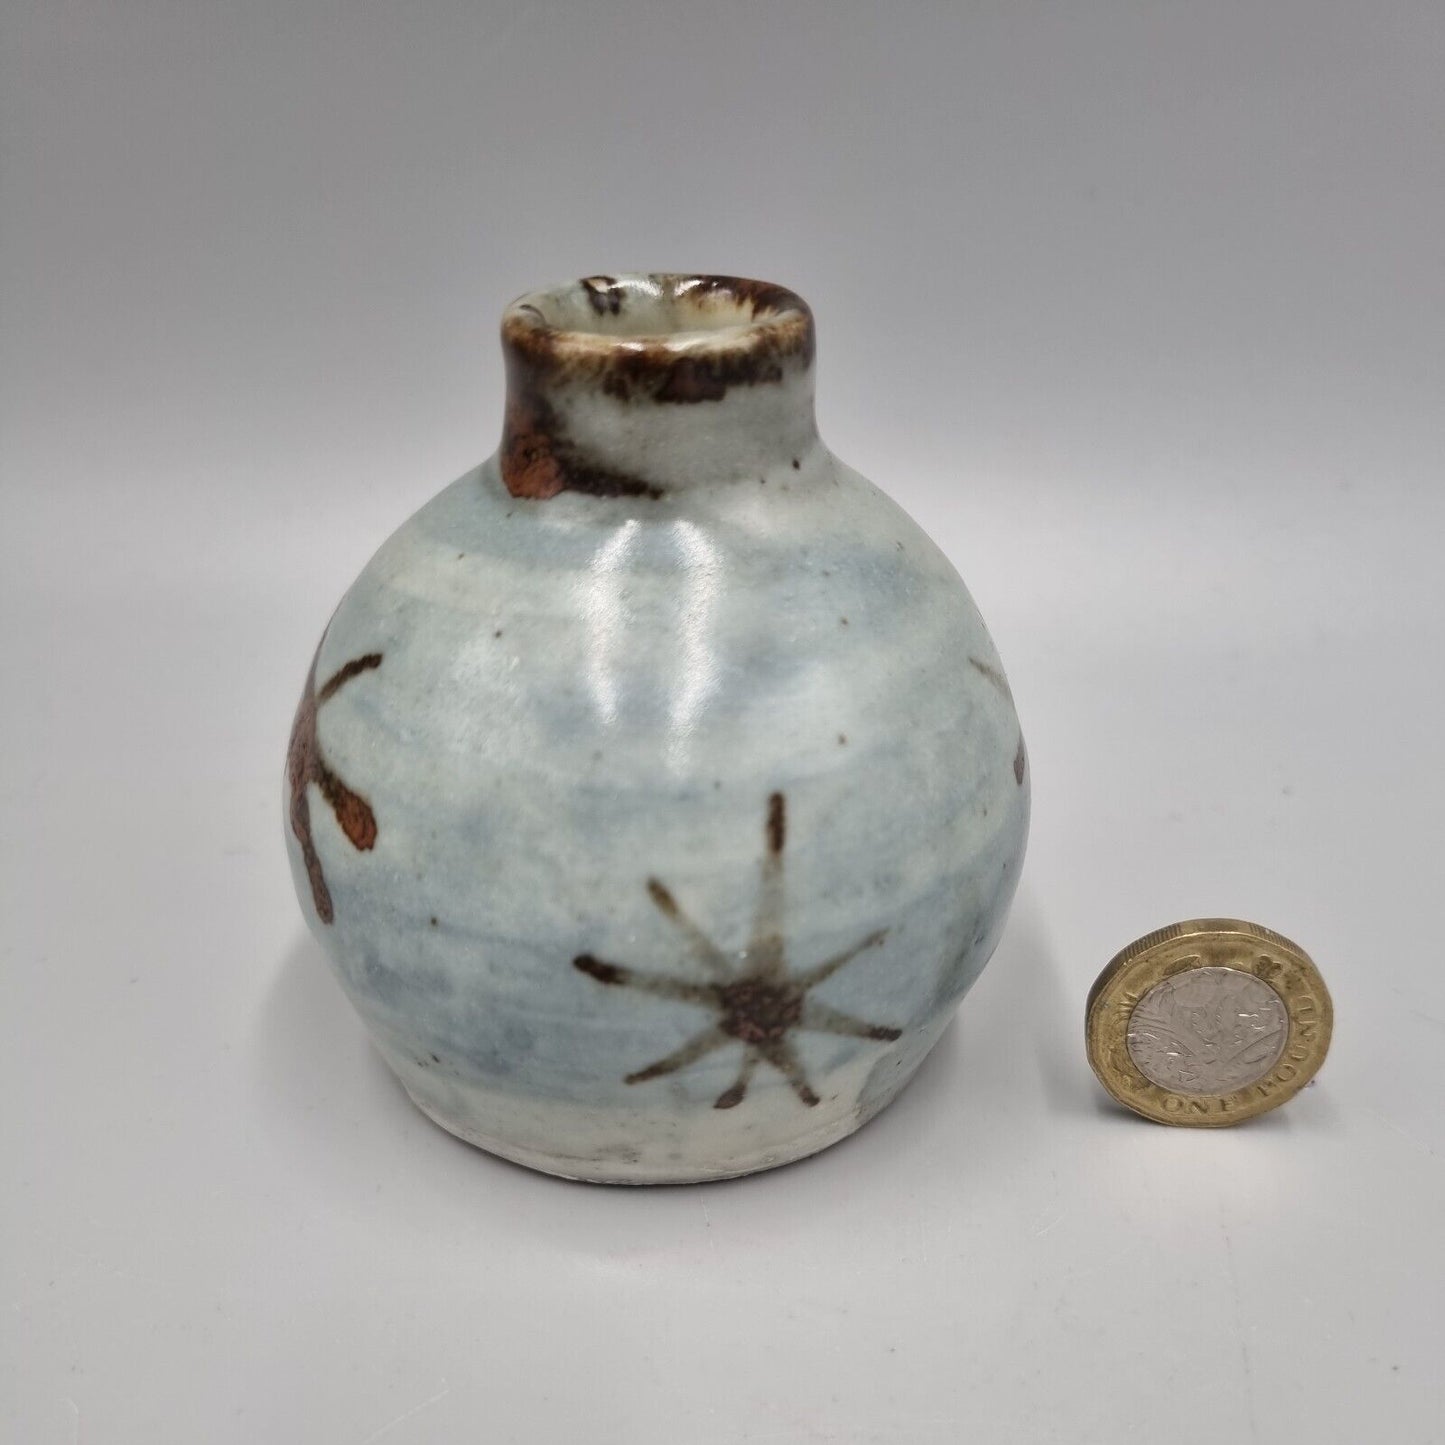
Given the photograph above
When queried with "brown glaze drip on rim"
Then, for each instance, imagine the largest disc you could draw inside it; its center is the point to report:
(710, 334)
(537, 459)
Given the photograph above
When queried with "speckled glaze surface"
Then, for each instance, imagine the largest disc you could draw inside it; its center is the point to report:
(656, 791)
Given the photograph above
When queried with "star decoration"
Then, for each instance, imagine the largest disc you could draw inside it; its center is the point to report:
(758, 1002)
(305, 764)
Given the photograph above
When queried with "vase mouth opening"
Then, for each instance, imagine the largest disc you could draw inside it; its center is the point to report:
(667, 334)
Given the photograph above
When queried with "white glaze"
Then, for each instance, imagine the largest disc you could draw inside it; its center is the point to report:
(579, 694)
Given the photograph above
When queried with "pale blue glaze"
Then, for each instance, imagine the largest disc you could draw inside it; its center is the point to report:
(578, 694)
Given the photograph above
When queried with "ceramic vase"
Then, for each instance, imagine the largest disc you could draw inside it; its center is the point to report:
(656, 791)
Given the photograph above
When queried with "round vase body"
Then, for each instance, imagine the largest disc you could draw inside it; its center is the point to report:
(656, 791)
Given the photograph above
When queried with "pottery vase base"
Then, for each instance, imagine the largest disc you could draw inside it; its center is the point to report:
(639, 1172)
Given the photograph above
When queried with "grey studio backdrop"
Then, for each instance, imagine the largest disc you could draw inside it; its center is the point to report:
(1136, 307)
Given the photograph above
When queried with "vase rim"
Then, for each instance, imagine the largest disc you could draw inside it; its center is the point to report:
(639, 384)
(642, 325)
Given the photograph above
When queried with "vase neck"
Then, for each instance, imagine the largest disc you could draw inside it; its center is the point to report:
(649, 385)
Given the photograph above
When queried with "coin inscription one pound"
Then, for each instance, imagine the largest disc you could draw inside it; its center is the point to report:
(1208, 1023)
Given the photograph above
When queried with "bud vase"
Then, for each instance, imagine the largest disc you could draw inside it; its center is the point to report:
(656, 791)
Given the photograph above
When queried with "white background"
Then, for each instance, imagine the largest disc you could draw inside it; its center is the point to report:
(1137, 307)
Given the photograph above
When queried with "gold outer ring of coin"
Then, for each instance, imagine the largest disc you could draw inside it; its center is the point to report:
(1208, 943)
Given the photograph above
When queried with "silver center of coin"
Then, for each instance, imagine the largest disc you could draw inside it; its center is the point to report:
(1208, 1031)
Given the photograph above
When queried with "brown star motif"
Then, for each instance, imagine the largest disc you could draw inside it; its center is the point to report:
(305, 765)
(758, 1001)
